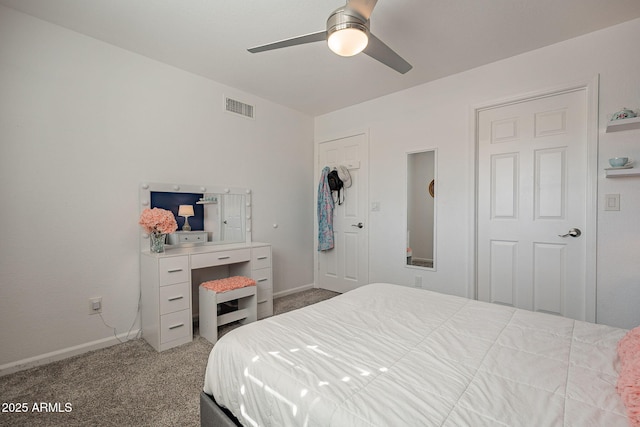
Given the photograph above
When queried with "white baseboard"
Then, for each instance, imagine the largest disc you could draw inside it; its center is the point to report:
(293, 291)
(64, 353)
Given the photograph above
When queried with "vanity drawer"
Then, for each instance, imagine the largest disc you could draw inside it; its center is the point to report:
(192, 237)
(174, 298)
(173, 270)
(263, 282)
(265, 309)
(261, 257)
(187, 237)
(220, 258)
(174, 326)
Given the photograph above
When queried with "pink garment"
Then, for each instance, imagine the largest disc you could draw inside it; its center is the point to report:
(628, 386)
(228, 284)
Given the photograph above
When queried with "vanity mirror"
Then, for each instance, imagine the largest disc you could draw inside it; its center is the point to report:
(421, 198)
(224, 214)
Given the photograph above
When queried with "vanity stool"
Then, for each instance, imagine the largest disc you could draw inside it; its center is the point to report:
(215, 293)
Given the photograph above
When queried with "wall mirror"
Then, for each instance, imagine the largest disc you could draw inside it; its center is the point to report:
(223, 213)
(421, 200)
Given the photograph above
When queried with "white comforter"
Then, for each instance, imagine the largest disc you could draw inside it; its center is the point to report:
(388, 355)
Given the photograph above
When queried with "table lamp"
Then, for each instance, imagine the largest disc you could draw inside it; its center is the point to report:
(186, 211)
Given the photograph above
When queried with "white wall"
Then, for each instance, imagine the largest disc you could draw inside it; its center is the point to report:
(438, 115)
(82, 123)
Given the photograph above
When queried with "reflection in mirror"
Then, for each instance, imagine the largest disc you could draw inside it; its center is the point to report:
(222, 214)
(421, 193)
(231, 214)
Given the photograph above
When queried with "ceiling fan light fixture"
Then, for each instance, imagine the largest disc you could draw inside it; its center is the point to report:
(348, 41)
(347, 32)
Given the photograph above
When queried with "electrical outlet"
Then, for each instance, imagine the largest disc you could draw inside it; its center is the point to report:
(95, 305)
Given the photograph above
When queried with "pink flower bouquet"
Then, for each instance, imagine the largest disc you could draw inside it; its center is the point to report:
(158, 221)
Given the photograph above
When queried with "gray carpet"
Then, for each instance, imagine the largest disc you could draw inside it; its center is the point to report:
(128, 384)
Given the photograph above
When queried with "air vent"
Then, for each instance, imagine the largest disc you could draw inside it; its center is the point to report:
(237, 107)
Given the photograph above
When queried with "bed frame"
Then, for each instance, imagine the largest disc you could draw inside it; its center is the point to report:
(213, 415)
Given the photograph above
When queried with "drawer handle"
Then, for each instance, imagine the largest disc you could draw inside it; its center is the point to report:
(262, 302)
(176, 298)
(263, 279)
(174, 270)
(224, 257)
(262, 257)
(176, 326)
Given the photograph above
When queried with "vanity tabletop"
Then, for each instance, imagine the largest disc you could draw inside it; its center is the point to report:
(172, 250)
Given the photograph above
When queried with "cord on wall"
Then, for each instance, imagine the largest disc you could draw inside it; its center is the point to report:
(115, 332)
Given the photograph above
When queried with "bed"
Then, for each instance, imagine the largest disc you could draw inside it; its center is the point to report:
(386, 355)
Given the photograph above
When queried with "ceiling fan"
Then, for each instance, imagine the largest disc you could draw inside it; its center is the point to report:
(348, 34)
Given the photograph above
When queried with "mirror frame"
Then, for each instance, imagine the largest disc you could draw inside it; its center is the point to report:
(427, 193)
(145, 201)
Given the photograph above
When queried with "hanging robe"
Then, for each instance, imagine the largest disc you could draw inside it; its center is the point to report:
(325, 213)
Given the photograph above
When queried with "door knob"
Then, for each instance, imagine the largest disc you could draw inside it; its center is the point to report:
(574, 232)
(359, 225)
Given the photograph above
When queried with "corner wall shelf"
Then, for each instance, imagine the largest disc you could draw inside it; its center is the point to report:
(623, 124)
(618, 173)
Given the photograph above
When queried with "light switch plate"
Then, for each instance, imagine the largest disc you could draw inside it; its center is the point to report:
(612, 202)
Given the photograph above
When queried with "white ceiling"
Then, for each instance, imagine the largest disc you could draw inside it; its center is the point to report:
(439, 38)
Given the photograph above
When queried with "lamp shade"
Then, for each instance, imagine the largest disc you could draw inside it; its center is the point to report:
(185, 210)
(348, 41)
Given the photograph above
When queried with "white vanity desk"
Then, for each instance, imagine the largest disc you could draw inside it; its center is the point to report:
(170, 279)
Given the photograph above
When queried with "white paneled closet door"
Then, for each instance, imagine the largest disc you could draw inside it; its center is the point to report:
(532, 186)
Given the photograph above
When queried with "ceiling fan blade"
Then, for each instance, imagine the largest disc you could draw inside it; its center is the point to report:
(363, 7)
(383, 53)
(307, 38)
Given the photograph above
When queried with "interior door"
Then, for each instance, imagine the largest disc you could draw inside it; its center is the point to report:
(532, 204)
(346, 266)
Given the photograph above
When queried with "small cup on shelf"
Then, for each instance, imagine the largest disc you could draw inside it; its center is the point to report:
(618, 162)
